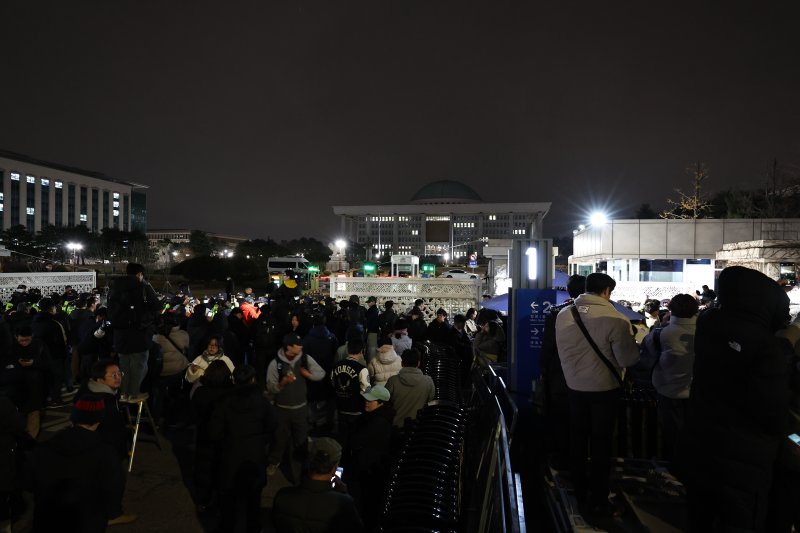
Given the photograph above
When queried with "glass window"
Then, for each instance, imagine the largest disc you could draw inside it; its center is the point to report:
(106, 209)
(95, 210)
(44, 205)
(15, 200)
(59, 205)
(70, 205)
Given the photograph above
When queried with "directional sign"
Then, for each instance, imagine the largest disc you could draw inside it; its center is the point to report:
(529, 309)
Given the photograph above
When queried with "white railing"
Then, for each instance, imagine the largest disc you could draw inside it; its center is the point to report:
(639, 291)
(453, 295)
(47, 282)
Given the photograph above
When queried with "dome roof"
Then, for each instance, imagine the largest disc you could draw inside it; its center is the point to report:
(446, 192)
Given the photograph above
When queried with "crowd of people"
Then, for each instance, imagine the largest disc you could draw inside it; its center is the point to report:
(725, 368)
(305, 386)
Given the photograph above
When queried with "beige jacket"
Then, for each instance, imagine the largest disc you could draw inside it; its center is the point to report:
(610, 330)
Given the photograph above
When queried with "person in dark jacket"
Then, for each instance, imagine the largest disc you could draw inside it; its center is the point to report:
(321, 344)
(462, 345)
(439, 329)
(417, 329)
(242, 425)
(76, 475)
(556, 403)
(739, 403)
(216, 381)
(25, 367)
(368, 472)
(321, 503)
(373, 327)
(133, 307)
(387, 319)
(53, 335)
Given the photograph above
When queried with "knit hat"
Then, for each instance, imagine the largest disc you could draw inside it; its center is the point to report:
(89, 410)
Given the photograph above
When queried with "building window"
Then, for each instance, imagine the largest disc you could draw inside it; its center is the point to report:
(95, 210)
(70, 205)
(125, 213)
(84, 201)
(115, 203)
(414, 232)
(116, 212)
(59, 204)
(44, 205)
(14, 176)
(30, 210)
(106, 207)
(492, 217)
(59, 185)
(45, 182)
(30, 179)
(83, 217)
(116, 196)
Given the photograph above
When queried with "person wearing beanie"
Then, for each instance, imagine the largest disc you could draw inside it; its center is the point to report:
(321, 502)
(76, 476)
(386, 364)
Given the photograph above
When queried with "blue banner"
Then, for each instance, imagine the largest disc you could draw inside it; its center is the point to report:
(530, 307)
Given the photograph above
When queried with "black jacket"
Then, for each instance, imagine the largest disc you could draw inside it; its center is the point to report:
(113, 430)
(133, 331)
(76, 481)
(417, 330)
(739, 399)
(439, 332)
(315, 507)
(321, 344)
(52, 334)
(242, 425)
(372, 439)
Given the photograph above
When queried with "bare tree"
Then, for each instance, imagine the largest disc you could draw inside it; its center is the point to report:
(695, 204)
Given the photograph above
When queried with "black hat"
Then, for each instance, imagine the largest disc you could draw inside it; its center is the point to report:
(292, 339)
(372, 299)
(89, 410)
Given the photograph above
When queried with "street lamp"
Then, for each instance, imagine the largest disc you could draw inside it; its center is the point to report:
(598, 218)
(74, 247)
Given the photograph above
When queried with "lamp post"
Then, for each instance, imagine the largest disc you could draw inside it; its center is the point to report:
(341, 244)
(74, 247)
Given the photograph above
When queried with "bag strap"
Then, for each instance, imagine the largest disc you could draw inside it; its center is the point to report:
(172, 342)
(657, 346)
(576, 315)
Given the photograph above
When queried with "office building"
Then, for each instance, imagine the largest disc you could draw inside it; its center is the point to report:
(36, 193)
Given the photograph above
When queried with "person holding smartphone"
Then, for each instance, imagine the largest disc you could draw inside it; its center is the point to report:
(26, 365)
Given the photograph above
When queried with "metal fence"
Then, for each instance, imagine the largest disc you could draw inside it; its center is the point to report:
(453, 295)
(47, 282)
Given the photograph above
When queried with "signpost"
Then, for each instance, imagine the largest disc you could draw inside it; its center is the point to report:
(529, 309)
(473, 260)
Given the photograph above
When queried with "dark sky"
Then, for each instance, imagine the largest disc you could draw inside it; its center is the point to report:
(254, 118)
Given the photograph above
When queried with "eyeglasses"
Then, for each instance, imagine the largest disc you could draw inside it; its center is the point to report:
(116, 374)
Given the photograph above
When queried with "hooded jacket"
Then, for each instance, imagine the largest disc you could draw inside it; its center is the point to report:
(609, 329)
(113, 430)
(672, 376)
(385, 365)
(410, 390)
(293, 395)
(739, 403)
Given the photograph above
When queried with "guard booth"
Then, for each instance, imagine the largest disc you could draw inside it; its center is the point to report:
(405, 266)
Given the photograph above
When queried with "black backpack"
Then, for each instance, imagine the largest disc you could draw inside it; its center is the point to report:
(126, 303)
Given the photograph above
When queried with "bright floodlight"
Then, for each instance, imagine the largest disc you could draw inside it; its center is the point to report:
(447, 257)
(74, 246)
(378, 255)
(340, 243)
(598, 218)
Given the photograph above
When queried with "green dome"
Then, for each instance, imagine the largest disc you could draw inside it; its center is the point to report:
(446, 192)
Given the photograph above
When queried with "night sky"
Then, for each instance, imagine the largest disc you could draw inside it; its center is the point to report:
(254, 118)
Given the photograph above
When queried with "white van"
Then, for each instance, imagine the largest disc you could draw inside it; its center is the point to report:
(277, 265)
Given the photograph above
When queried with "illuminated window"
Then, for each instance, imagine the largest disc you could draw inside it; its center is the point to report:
(116, 212)
(45, 182)
(116, 196)
(14, 176)
(30, 210)
(116, 204)
(414, 232)
(59, 185)
(30, 179)
(83, 217)
(492, 217)
(1, 207)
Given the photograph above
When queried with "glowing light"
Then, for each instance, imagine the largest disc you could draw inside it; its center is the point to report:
(598, 219)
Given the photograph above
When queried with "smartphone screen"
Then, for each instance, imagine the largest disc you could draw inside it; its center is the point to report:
(794, 437)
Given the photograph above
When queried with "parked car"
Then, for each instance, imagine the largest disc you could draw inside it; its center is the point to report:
(458, 274)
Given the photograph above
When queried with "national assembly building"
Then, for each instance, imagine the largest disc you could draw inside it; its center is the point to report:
(35, 193)
(443, 217)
